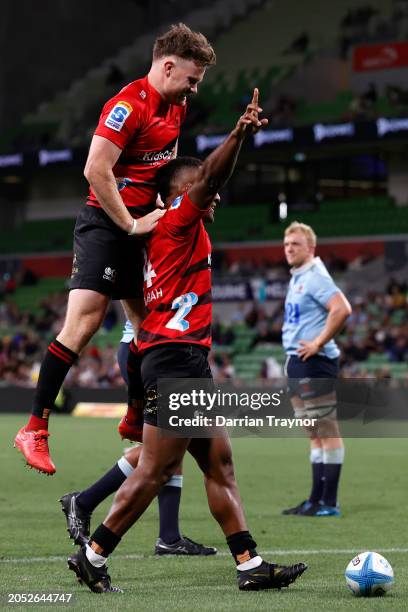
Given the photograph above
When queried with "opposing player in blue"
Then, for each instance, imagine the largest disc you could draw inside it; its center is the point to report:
(315, 311)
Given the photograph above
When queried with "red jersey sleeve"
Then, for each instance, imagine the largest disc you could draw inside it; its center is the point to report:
(183, 214)
(120, 120)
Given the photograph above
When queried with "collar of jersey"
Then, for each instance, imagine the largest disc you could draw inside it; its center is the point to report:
(154, 93)
(306, 266)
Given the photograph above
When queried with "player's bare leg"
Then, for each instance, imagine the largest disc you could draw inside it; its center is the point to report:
(157, 462)
(214, 457)
(78, 507)
(159, 458)
(326, 456)
(85, 312)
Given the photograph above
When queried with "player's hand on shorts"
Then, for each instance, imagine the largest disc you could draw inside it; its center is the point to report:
(250, 123)
(308, 349)
(146, 224)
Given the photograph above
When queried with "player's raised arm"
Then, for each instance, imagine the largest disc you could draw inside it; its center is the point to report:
(219, 165)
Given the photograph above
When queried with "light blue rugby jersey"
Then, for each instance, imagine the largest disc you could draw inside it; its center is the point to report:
(310, 288)
(128, 332)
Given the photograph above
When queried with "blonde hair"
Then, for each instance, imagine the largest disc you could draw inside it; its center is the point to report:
(304, 229)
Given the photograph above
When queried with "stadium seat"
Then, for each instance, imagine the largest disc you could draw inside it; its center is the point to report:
(91, 89)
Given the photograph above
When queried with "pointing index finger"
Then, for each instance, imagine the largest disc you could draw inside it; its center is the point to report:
(255, 97)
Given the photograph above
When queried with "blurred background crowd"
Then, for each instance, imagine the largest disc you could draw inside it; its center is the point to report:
(333, 84)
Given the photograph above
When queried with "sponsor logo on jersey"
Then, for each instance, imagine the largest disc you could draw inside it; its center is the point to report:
(118, 115)
(143, 94)
(123, 182)
(110, 274)
(298, 288)
(74, 269)
(176, 202)
(157, 156)
(151, 158)
(167, 153)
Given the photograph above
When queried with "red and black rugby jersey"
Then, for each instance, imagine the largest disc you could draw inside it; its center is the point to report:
(177, 279)
(146, 129)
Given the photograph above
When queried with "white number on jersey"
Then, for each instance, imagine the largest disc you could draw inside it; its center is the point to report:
(148, 272)
(183, 304)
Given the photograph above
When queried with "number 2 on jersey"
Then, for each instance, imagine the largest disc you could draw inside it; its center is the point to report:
(183, 304)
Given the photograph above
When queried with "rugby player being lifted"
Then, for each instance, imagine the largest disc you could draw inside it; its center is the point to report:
(136, 135)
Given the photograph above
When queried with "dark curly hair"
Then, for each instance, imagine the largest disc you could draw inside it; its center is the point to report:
(168, 173)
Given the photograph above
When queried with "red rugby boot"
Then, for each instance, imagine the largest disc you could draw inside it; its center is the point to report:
(134, 433)
(131, 425)
(34, 446)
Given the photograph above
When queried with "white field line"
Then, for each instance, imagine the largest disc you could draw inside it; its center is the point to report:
(291, 551)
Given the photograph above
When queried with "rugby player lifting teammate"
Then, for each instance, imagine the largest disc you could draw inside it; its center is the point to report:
(174, 339)
(137, 134)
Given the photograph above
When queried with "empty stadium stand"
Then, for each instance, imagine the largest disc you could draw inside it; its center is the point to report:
(72, 112)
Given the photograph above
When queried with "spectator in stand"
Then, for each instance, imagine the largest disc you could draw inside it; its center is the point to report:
(221, 367)
(370, 96)
(237, 316)
(363, 106)
(216, 331)
(267, 333)
(394, 284)
(299, 44)
(222, 334)
(284, 110)
(228, 337)
(399, 351)
(270, 369)
(256, 315)
(355, 350)
(397, 98)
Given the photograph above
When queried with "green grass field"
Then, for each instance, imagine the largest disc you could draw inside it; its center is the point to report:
(272, 475)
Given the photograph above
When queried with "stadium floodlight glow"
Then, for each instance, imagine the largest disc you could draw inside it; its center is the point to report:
(51, 157)
(390, 125)
(209, 142)
(283, 211)
(337, 130)
(271, 136)
(11, 160)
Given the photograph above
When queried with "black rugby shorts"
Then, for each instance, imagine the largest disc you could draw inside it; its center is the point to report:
(106, 259)
(312, 378)
(172, 360)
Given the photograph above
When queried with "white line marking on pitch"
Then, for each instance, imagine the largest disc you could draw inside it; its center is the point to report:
(135, 557)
